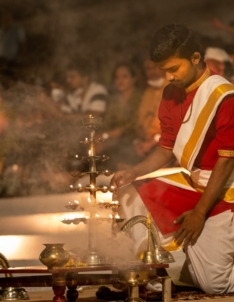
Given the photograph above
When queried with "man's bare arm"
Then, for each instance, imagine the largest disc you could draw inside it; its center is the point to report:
(159, 158)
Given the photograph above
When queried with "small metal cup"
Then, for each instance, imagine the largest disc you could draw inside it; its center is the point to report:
(14, 293)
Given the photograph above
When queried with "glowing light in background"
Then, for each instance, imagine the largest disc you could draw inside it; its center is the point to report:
(10, 245)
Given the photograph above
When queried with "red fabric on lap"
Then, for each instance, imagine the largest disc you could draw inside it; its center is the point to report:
(166, 202)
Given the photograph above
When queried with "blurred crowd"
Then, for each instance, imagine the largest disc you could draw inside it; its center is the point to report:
(41, 118)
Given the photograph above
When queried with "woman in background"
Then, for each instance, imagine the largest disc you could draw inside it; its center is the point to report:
(120, 118)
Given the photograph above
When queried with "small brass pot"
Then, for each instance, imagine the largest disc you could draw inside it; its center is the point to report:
(54, 255)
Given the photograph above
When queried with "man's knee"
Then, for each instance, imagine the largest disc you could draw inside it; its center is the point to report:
(216, 284)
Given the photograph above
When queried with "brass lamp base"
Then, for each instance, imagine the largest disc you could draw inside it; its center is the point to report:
(93, 258)
(149, 257)
(14, 293)
(133, 295)
(134, 278)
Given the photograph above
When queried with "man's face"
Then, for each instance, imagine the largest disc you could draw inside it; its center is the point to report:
(74, 79)
(179, 71)
(152, 71)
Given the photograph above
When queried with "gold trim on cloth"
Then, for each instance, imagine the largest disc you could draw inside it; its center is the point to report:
(165, 147)
(226, 153)
(201, 121)
(198, 83)
(227, 194)
(183, 179)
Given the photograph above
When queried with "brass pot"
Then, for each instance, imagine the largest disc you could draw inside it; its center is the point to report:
(14, 293)
(54, 255)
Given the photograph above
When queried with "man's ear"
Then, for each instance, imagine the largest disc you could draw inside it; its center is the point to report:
(196, 58)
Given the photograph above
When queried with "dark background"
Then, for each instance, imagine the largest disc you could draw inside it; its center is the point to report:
(108, 30)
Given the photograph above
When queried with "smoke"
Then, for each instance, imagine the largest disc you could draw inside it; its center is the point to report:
(113, 248)
(39, 141)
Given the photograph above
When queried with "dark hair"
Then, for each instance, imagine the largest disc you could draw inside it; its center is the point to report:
(82, 66)
(228, 69)
(175, 40)
(58, 77)
(128, 66)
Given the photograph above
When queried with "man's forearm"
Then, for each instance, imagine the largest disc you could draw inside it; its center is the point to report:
(215, 186)
(159, 158)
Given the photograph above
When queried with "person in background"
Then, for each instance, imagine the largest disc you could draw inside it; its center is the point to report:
(218, 60)
(86, 96)
(57, 88)
(119, 122)
(148, 126)
(224, 27)
(12, 39)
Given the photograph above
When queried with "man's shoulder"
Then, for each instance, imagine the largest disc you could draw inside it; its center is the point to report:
(95, 87)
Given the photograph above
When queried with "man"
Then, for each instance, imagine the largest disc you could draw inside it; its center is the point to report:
(197, 122)
(86, 97)
(148, 127)
(218, 60)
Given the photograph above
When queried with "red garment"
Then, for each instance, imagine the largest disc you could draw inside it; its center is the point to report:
(220, 135)
(164, 201)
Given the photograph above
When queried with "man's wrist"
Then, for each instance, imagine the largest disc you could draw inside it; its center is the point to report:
(200, 211)
(136, 170)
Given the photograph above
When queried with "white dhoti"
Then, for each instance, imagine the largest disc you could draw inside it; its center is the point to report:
(212, 265)
(210, 260)
(132, 205)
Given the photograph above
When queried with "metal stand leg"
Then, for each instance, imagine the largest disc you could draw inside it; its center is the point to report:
(133, 294)
(166, 289)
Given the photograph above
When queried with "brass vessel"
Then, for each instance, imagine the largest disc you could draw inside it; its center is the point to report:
(134, 278)
(11, 293)
(155, 252)
(54, 255)
(14, 293)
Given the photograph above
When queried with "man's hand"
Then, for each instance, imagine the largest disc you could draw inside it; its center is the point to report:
(123, 177)
(192, 223)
